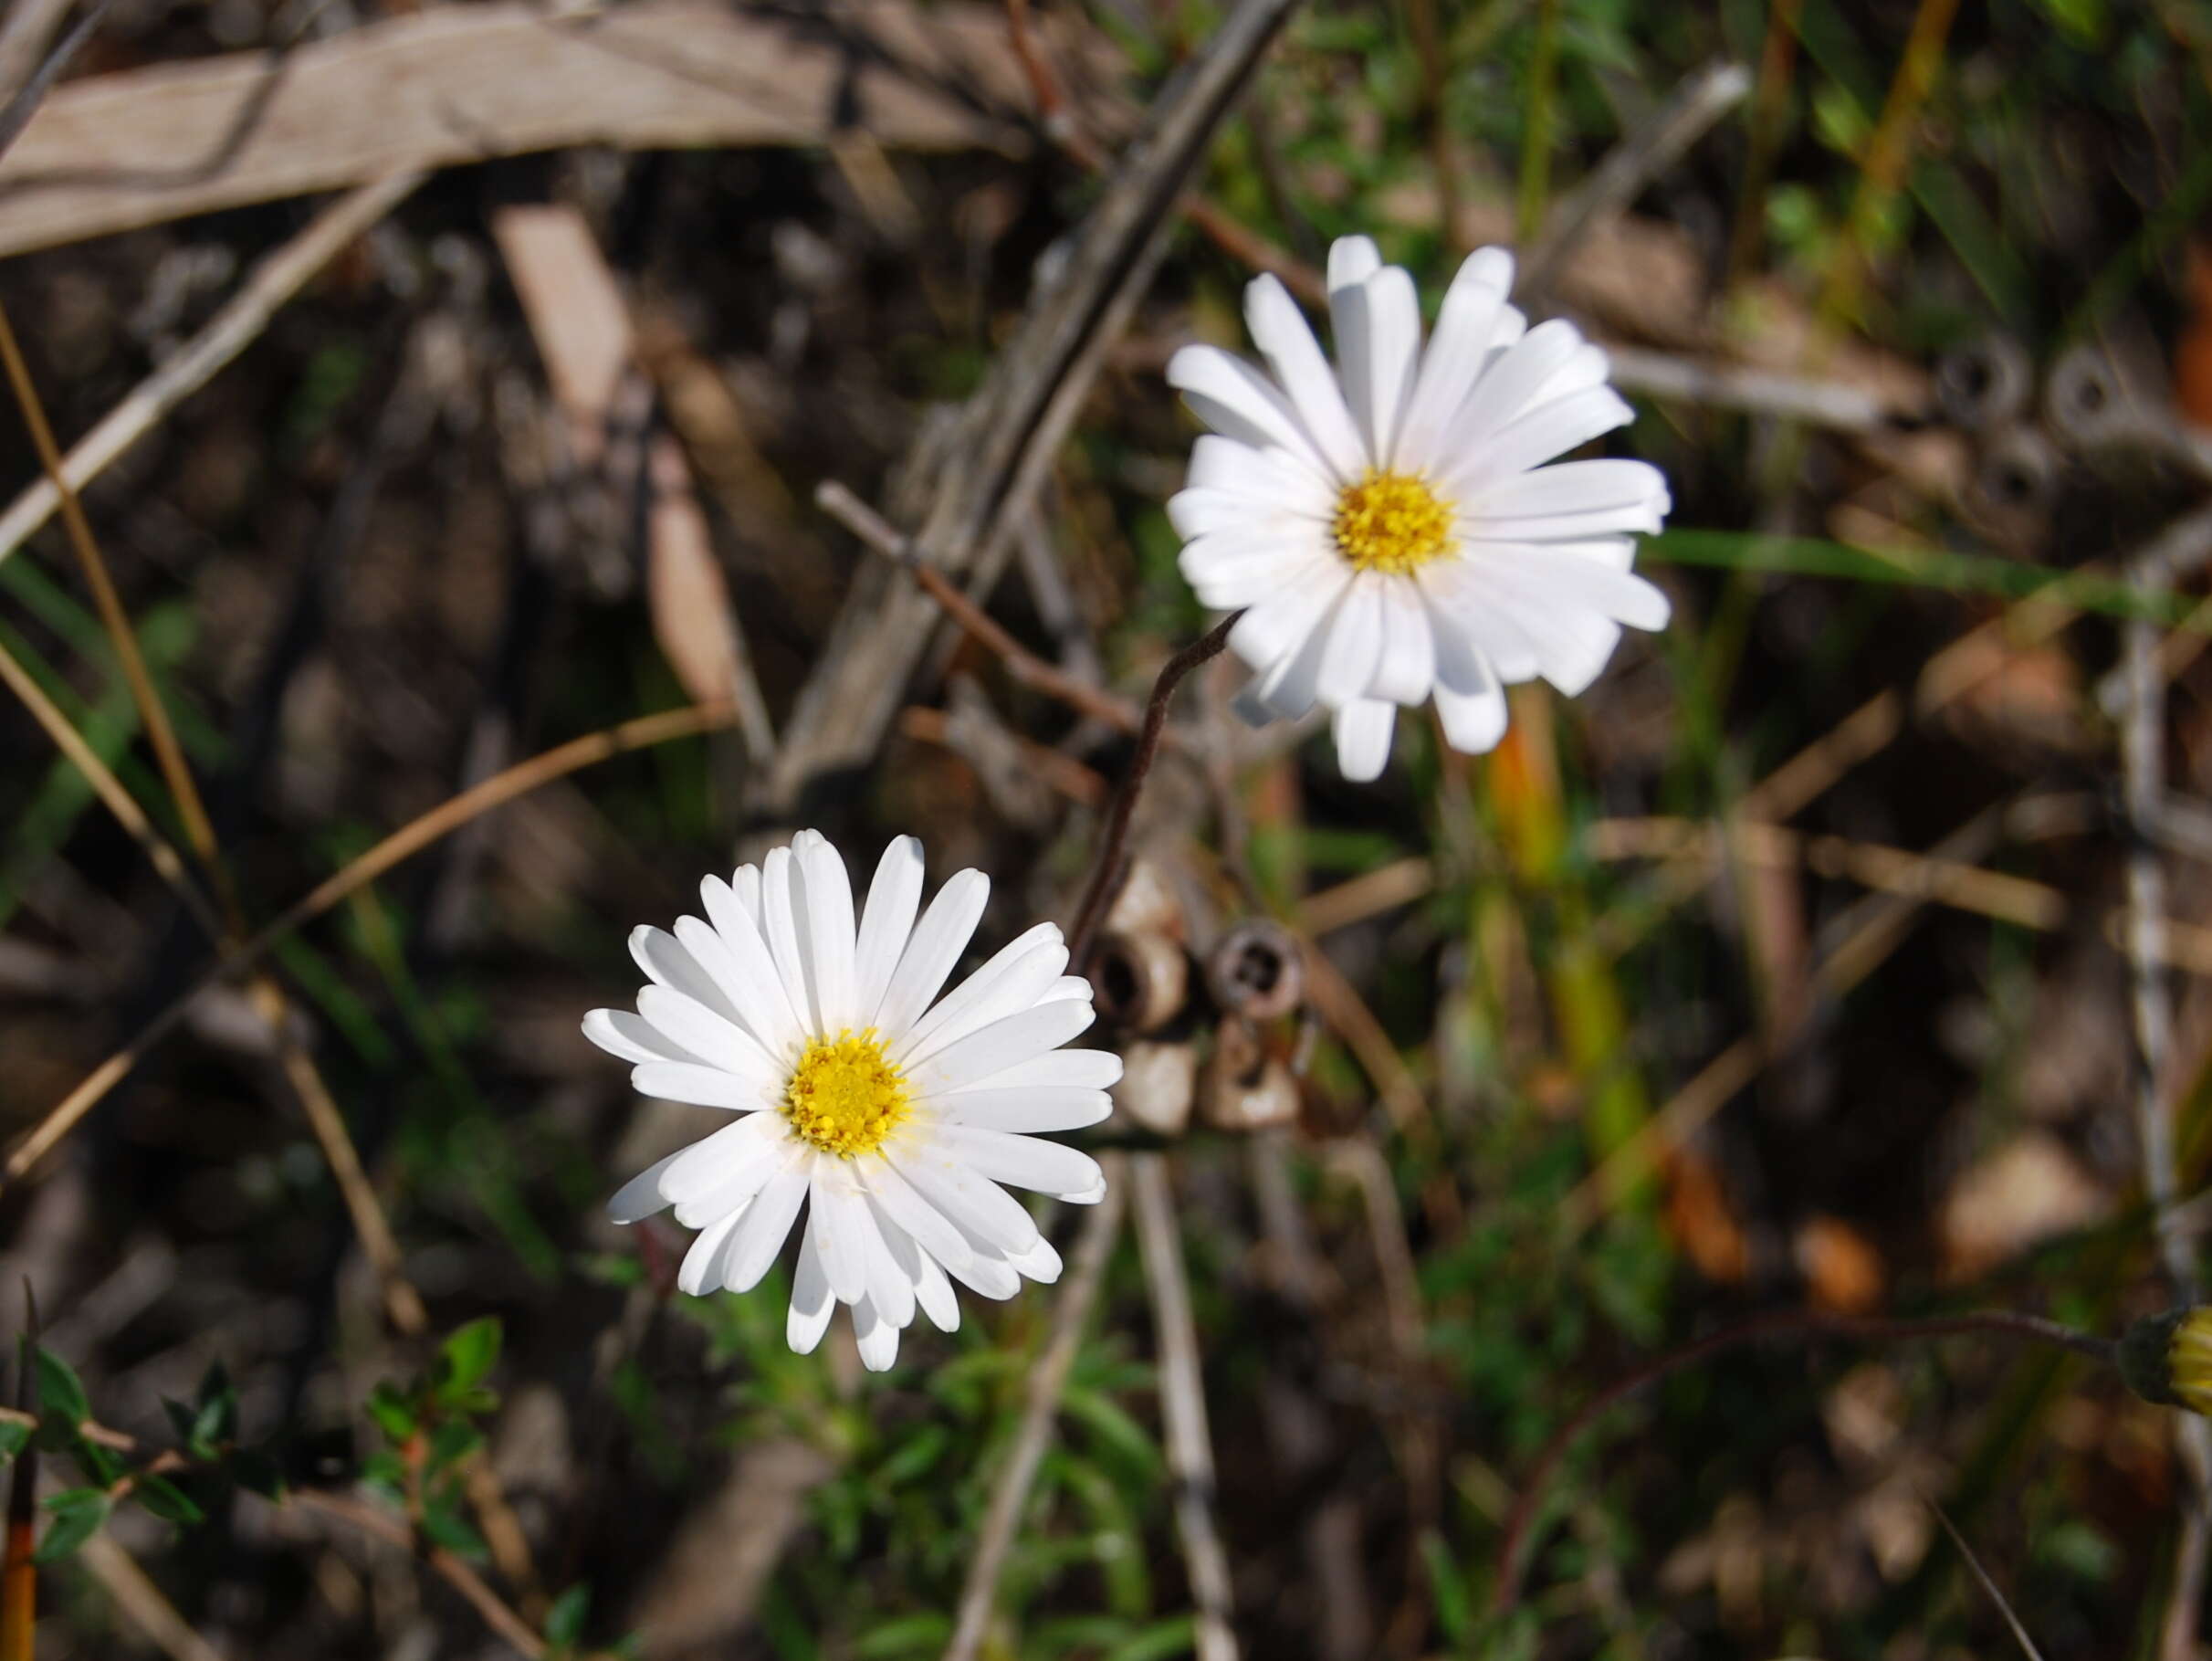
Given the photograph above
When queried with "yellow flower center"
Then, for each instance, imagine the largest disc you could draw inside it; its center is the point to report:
(1391, 521)
(846, 1096)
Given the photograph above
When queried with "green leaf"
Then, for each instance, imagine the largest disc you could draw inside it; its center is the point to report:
(455, 1439)
(167, 1501)
(450, 1530)
(13, 1438)
(217, 1419)
(60, 1392)
(564, 1620)
(914, 1634)
(258, 1472)
(467, 1357)
(104, 1465)
(1178, 1637)
(393, 1413)
(78, 1516)
(1977, 574)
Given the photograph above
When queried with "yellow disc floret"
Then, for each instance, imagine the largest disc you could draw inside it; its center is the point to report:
(846, 1096)
(1391, 521)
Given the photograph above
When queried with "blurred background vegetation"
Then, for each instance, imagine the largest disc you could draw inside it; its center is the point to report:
(1788, 967)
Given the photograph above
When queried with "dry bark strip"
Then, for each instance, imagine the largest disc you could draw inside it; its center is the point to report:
(462, 84)
(973, 472)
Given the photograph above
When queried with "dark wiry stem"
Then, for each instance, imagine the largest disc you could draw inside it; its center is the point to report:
(1112, 862)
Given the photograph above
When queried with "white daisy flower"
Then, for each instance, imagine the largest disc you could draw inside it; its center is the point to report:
(1389, 528)
(890, 1114)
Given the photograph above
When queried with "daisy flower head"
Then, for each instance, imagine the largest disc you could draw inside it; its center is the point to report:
(891, 1115)
(1388, 527)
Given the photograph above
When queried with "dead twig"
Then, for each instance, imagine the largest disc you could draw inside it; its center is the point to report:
(1182, 1405)
(501, 1619)
(142, 1602)
(1655, 146)
(877, 535)
(1047, 1378)
(973, 475)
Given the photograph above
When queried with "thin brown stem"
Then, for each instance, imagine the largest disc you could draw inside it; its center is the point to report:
(1110, 864)
(117, 801)
(160, 733)
(441, 1562)
(1778, 1323)
(879, 536)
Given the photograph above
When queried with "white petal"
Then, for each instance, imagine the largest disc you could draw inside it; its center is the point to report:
(1383, 316)
(715, 1039)
(1067, 987)
(641, 1197)
(1351, 259)
(1571, 582)
(1267, 480)
(759, 1002)
(1040, 1263)
(1569, 498)
(632, 1036)
(1464, 327)
(666, 964)
(1285, 338)
(1408, 666)
(1354, 650)
(1517, 380)
(978, 1207)
(1233, 570)
(1273, 629)
(735, 1151)
(842, 1223)
(1071, 1069)
(779, 929)
(923, 1276)
(745, 883)
(877, 1338)
(765, 1225)
(1009, 982)
(1031, 1109)
(890, 1288)
(994, 1048)
(703, 1087)
(1088, 1196)
(898, 1201)
(933, 1293)
(1474, 722)
(937, 944)
(810, 1299)
(1287, 691)
(887, 922)
(692, 1275)
(1467, 618)
(990, 1275)
(745, 1170)
(1362, 730)
(1026, 1162)
(1543, 433)
(760, 996)
(826, 893)
(1235, 399)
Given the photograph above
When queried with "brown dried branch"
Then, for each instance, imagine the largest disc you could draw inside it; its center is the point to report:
(1047, 1378)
